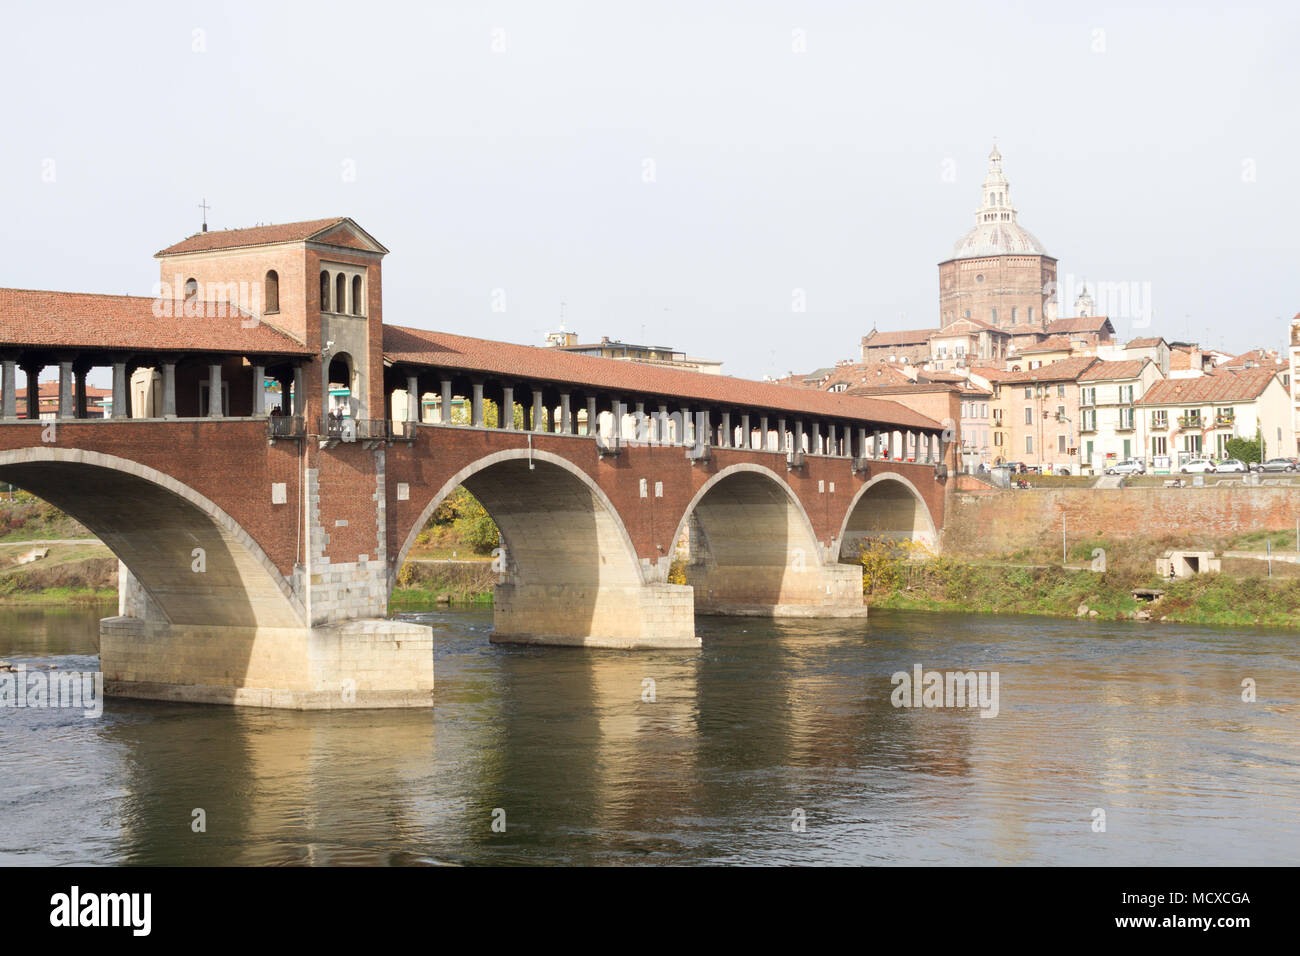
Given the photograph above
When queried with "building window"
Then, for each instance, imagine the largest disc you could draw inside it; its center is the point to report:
(980, 277)
(1029, 416)
(272, 291)
(341, 294)
(191, 289)
(1029, 391)
(1060, 443)
(1013, 315)
(1060, 391)
(994, 314)
(1031, 314)
(356, 295)
(324, 291)
(1029, 444)
(1060, 412)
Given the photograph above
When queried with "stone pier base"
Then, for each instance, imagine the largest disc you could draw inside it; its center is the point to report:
(833, 590)
(353, 664)
(636, 617)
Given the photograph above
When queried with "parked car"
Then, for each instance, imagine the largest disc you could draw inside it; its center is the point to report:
(1198, 466)
(1231, 465)
(1129, 466)
(1274, 464)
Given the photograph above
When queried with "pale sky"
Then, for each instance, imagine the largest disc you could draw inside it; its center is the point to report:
(506, 146)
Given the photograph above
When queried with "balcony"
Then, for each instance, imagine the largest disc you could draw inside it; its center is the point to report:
(1189, 421)
(285, 426)
(1224, 421)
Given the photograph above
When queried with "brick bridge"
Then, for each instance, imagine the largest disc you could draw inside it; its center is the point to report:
(260, 536)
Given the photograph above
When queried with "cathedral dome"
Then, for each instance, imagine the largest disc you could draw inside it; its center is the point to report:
(996, 232)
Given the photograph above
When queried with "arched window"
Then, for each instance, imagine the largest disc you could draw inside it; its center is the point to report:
(356, 295)
(324, 291)
(191, 289)
(341, 293)
(272, 291)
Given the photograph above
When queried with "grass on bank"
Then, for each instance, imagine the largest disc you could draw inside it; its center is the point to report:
(1033, 581)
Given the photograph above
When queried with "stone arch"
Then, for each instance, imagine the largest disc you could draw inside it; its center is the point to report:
(152, 523)
(888, 505)
(530, 505)
(751, 544)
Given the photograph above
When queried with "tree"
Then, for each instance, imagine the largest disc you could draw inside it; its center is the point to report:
(1245, 449)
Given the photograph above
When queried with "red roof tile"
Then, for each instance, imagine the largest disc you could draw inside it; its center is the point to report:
(444, 350)
(1219, 386)
(1108, 371)
(904, 337)
(251, 236)
(1082, 323)
(1063, 370)
(80, 320)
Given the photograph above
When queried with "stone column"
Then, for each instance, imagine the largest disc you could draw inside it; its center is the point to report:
(259, 389)
(476, 404)
(780, 434)
(862, 442)
(661, 429)
(8, 389)
(539, 411)
(65, 390)
(506, 418)
(704, 429)
(299, 392)
(688, 427)
(79, 409)
(726, 435)
(832, 446)
(798, 435)
(444, 413)
(763, 440)
(593, 417)
(616, 411)
(412, 398)
(566, 415)
(214, 391)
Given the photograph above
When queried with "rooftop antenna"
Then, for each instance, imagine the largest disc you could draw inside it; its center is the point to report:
(205, 207)
(562, 328)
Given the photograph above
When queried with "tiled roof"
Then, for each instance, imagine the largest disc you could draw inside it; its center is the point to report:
(1254, 358)
(1083, 323)
(1064, 370)
(79, 320)
(252, 236)
(1146, 343)
(1220, 386)
(913, 388)
(872, 373)
(904, 337)
(527, 362)
(992, 374)
(1053, 343)
(1108, 371)
(947, 378)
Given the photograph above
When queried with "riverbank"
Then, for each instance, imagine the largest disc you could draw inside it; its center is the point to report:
(1030, 582)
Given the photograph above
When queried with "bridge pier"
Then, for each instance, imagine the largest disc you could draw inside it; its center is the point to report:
(359, 663)
(632, 617)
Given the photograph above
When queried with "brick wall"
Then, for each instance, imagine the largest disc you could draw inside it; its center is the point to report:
(1007, 521)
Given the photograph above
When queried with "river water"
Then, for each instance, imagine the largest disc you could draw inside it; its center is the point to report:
(774, 743)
